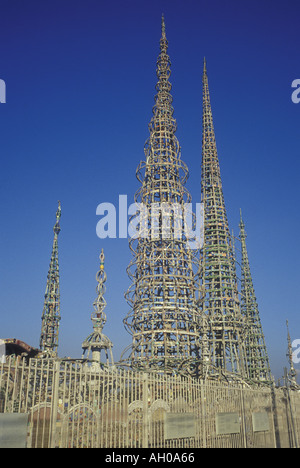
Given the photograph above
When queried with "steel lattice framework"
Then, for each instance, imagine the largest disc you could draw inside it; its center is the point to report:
(256, 352)
(185, 314)
(223, 326)
(164, 320)
(51, 311)
(97, 342)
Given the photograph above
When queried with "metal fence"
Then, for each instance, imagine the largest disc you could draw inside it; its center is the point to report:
(68, 406)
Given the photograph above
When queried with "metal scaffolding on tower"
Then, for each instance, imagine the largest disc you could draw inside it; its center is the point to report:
(164, 318)
(223, 326)
(257, 360)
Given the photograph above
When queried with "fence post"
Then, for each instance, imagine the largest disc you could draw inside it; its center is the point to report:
(275, 417)
(54, 406)
(203, 412)
(293, 427)
(244, 421)
(145, 411)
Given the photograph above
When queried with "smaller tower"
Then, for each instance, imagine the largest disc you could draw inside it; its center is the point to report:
(292, 372)
(51, 310)
(97, 342)
(257, 360)
(223, 326)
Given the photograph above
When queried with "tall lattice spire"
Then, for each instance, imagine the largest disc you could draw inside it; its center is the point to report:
(257, 360)
(97, 342)
(51, 310)
(223, 325)
(164, 317)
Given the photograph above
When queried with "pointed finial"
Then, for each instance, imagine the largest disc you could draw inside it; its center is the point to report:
(58, 213)
(56, 228)
(163, 27)
(204, 76)
(242, 224)
(102, 258)
(288, 333)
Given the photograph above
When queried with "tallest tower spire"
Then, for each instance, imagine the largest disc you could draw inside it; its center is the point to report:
(163, 100)
(163, 319)
(223, 325)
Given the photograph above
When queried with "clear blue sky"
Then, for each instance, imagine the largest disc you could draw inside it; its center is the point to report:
(80, 79)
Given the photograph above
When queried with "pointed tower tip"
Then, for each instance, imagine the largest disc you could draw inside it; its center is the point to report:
(102, 258)
(163, 26)
(56, 228)
(58, 213)
(204, 65)
(242, 224)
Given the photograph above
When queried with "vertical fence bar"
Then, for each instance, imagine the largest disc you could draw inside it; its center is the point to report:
(145, 410)
(54, 406)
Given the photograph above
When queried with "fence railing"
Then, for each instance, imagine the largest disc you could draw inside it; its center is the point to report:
(67, 405)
